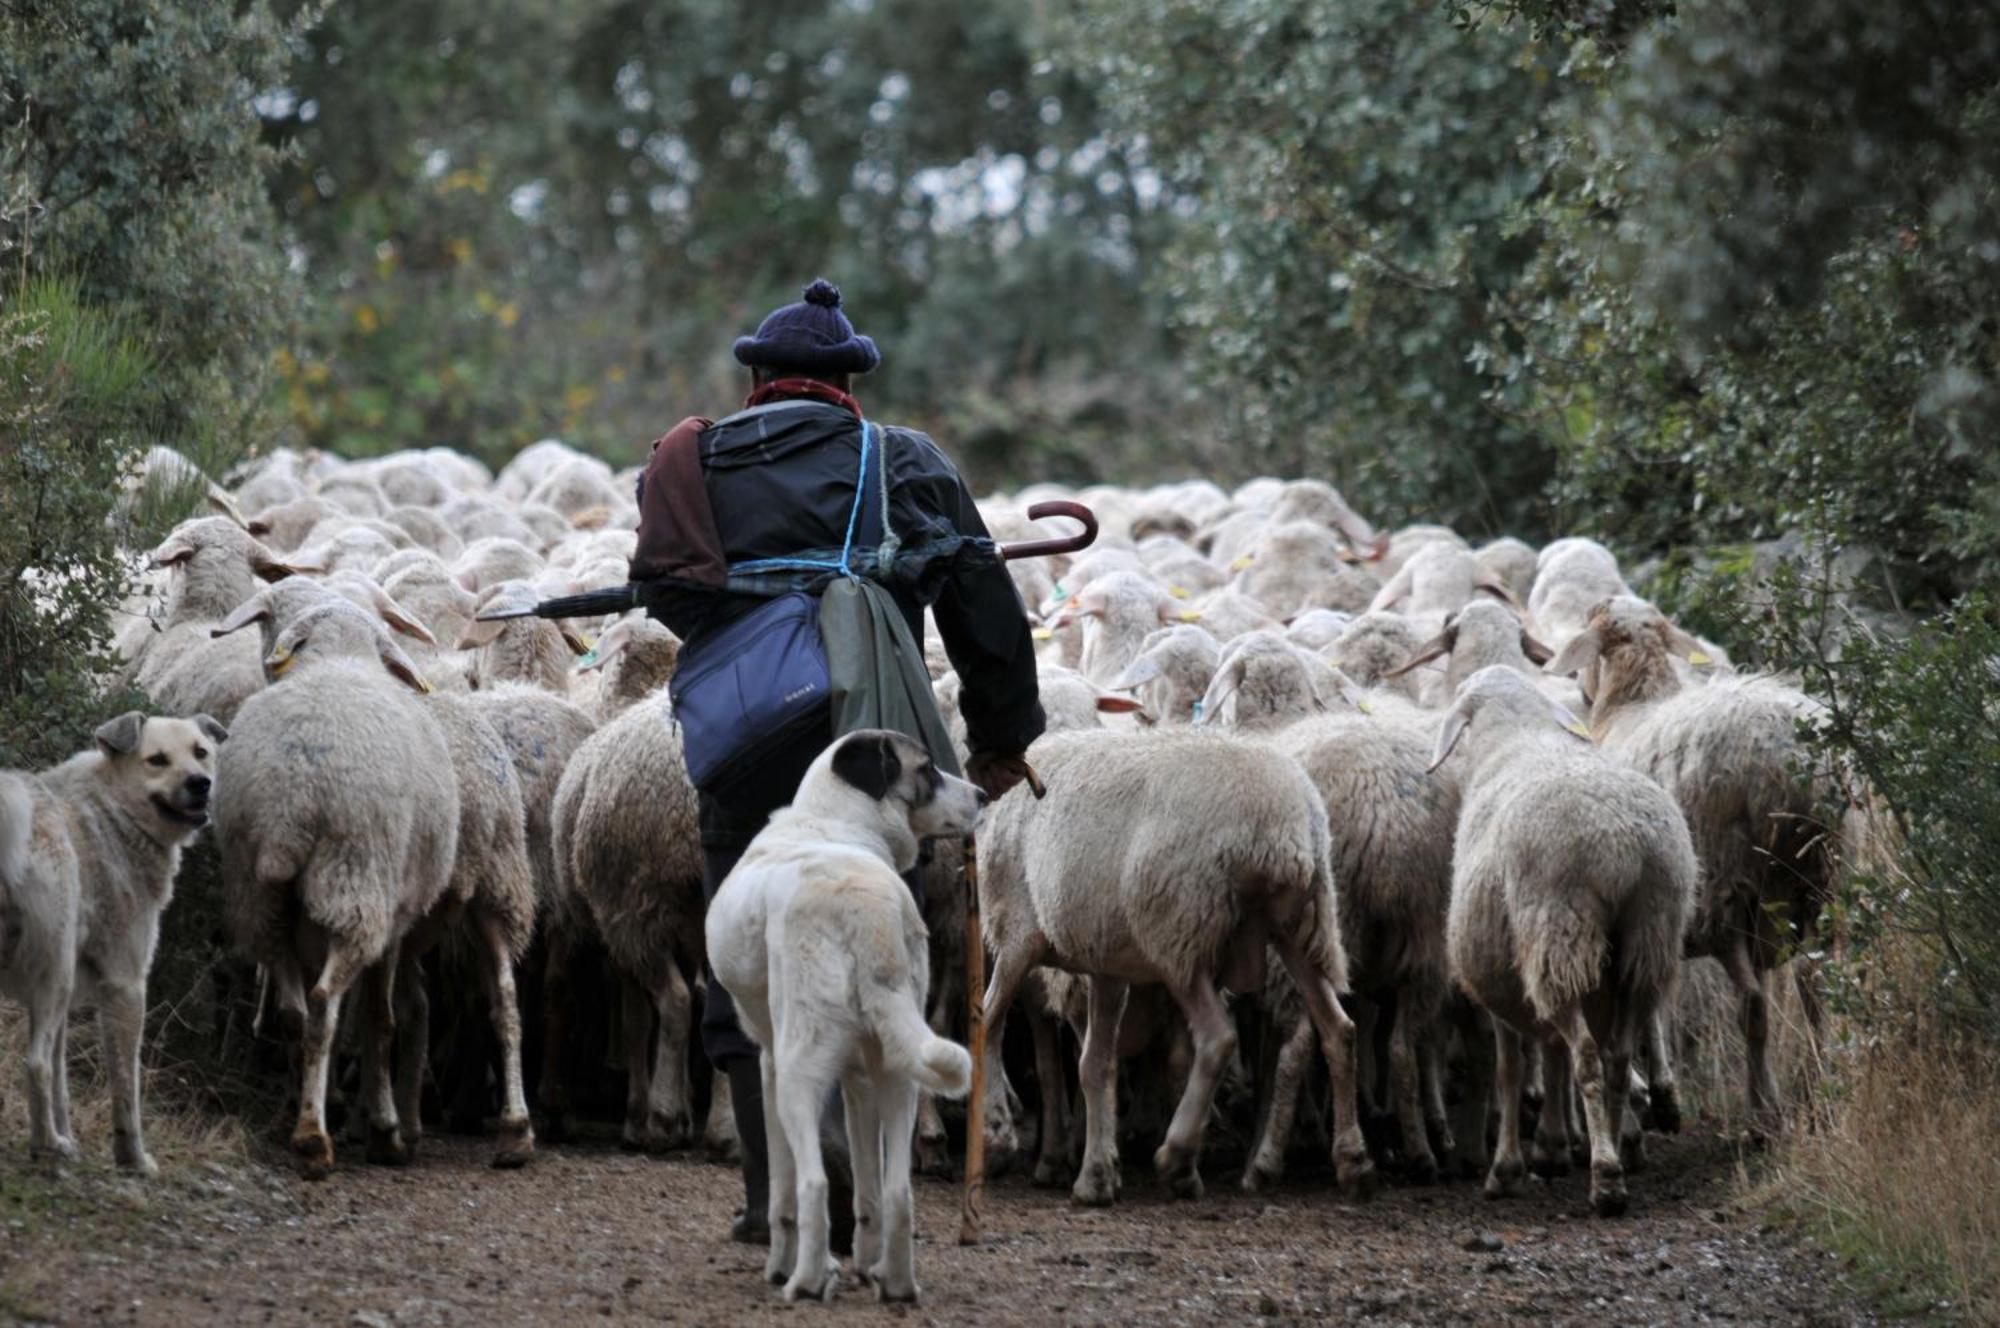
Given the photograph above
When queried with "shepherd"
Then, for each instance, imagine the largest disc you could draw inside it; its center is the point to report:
(793, 547)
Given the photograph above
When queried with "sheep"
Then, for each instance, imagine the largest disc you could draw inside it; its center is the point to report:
(426, 529)
(163, 473)
(1439, 578)
(1300, 564)
(1316, 500)
(408, 481)
(529, 466)
(1481, 634)
(1174, 857)
(1118, 609)
(339, 835)
(485, 563)
(353, 546)
(1171, 673)
(1730, 755)
(1572, 883)
(270, 487)
(1317, 629)
(1572, 577)
(1264, 682)
(216, 566)
(474, 518)
(634, 658)
(353, 492)
(627, 847)
(1404, 543)
(577, 485)
(1512, 561)
(533, 650)
(1373, 647)
(1229, 613)
(285, 526)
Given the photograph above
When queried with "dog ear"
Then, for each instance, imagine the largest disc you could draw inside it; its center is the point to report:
(120, 736)
(869, 762)
(212, 727)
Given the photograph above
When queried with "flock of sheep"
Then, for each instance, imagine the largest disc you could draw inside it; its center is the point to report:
(1450, 817)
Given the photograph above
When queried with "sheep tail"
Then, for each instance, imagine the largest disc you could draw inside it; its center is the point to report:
(908, 1045)
(1562, 957)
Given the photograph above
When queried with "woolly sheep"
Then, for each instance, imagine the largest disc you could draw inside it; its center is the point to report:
(1572, 884)
(1316, 500)
(1174, 857)
(1572, 577)
(532, 650)
(634, 658)
(285, 526)
(1171, 673)
(340, 834)
(1373, 647)
(1730, 755)
(474, 518)
(216, 566)
(1439, 578)
(1297, 565)
(1512, 561)
(426, 529)
(1118, 610)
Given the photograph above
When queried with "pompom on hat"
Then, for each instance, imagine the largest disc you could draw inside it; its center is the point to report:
(813, 336)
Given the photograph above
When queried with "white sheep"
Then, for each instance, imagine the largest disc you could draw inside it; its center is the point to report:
(1572, 883)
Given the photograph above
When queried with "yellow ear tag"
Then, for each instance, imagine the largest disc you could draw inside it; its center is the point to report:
(1178, 592)
(1242, 562)
(424, 684)
(1580, 729)
(1364, 705)
(1043, 633)
(280, 660)
(1190, 615)
(1700, 659)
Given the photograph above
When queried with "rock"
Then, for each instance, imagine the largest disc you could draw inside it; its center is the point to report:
(1486, 1242)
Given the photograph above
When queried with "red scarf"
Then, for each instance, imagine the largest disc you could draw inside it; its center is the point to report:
(811, 389)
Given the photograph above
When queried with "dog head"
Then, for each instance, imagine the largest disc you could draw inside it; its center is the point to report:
(163, 769)
(891, 783)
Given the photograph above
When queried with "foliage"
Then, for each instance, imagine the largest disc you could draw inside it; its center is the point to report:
(71, 379)
(133, 161)
(532, 218)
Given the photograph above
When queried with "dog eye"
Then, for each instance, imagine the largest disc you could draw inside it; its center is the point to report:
(157, 759)
(201, 753)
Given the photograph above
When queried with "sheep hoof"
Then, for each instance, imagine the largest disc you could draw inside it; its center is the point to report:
(55, 1153)
(555, 1125)
(1049, 1174)
(1358, 1179)
(1421, 1170)
(386, 1147)
(1607, 1191)
(1632, 1154)
(1549, 1161)
(885, 1293)
(657, 1134)
(818, 1286)
(1504, 1181)
(1096, 1187)
(933, 1157)
(1663, 1111)
(517, 1145)
(315, 1153)
(1258, 1177)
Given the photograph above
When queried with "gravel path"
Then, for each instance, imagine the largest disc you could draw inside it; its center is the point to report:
(586, 1233)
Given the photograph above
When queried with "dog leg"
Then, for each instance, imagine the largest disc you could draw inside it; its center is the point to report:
(122, 1010)
(864, 1152)
(784, 1203)
(59, 1083)
(802, 1088)
(896, 1275)
(48, 1012)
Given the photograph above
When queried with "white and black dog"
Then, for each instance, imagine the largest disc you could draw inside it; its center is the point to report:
(823, 950)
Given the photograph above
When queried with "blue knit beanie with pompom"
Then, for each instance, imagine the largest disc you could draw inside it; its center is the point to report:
(813, 336)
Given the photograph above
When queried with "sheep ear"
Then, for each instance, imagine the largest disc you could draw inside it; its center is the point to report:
(578, 643)
(868, 761)
(1341, 685)
(212, 728)
(398, 617)
(616, 637)
(1684, 644)
(120, 736)
(173, 551)
(257, 526)
(1570, 722)
(1579, 654)
(1436, 648)
(272, 568)
(1536, 652)
(400, 665)
(1392, 593)
(255, 609)
(1118, 705)
(224, 505)
(1484, 579)
(479, 634)
(1448, 736)
(1220, 688)
(1142, 670)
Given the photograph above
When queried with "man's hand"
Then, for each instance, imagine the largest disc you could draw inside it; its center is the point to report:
(997, 772)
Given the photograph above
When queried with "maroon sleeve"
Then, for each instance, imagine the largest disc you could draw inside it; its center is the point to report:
(677, 534)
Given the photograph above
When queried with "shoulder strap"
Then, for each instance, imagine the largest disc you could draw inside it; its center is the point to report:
(677, 534)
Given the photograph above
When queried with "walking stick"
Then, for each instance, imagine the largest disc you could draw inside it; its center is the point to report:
(972, 1201)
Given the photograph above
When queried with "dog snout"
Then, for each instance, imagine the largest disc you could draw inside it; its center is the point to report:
(198, 786)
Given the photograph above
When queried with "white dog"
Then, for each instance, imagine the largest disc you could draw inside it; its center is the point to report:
(88, 853)
(824, 951)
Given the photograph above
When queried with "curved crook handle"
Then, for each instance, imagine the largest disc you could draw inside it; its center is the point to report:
(1050, 547)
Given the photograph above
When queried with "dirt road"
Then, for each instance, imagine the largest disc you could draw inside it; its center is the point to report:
(587, 1234)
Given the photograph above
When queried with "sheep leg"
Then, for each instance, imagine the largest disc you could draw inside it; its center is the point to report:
(379, 1033)
(344, 964)
(1351, 1165)
(933, 1157)
(896, 1276)
(1178, 1159)
(1009, 968)
(864, 1153)
(1365, 1015)
(1052, 1148)
(1586, 1061)
(1404, 1075)
(636, 1017)
(1097, 1180)
(1475, 1107)
(1663, 1102)
(1508, 1065)
(1623, 1113)
(122, 1008)
(1761, 1088)
(48, 1012)
(718, 1135)
(668, 1113)
(1548, 1152)
(552, 1089)
(517, 1135)
(802, 1091)
(412, 1045)
(1430, 1071)
(782, 1207)
(1267, 1163)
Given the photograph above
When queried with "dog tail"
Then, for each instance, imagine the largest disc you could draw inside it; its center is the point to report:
(910, 1048)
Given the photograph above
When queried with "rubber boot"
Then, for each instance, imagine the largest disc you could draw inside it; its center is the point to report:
(746, 1099)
